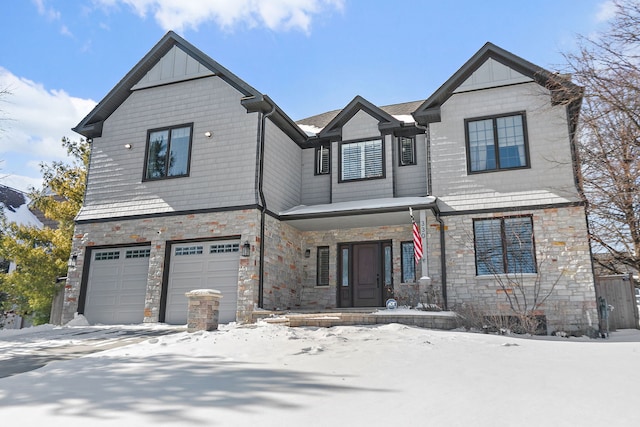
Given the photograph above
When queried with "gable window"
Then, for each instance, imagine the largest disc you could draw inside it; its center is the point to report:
(323, 160)
(407, 150)
(323, 266)
(504, 246)
(361, 160)
(168, 152)
(408, 262)
(497, 143)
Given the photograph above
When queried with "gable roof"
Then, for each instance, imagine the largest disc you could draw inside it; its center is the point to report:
(91, 125)
(562, 89)
(320, 121)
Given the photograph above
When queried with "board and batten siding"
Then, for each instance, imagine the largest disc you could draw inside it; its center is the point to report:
(549, 179)
(282, 174)
(411, 180)
(222, 166)
(315, 189)
(362, 126)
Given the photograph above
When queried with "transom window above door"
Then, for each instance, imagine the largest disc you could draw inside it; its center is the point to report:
(361, 160)
(168, 152)
(497, 143)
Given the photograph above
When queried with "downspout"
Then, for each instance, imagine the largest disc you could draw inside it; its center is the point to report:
(436, 213)
(262, 202)
(443, 257)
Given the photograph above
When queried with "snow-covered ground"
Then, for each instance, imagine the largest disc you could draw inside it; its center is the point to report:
(392, 375)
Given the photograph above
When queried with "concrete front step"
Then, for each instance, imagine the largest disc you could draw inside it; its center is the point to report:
(430, 320)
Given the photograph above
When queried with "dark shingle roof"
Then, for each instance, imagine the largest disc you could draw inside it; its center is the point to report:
(321, 120)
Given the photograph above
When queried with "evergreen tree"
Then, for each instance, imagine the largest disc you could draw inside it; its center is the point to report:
(41, 254)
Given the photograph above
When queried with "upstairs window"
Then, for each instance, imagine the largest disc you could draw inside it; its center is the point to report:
(361, 160)
(504, 246)
(407, 151)
(497, 143)
(168, 152)
(323, 160)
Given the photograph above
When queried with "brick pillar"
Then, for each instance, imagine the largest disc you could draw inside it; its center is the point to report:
(204, 309)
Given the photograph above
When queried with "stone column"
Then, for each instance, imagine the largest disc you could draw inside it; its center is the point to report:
(204, 309)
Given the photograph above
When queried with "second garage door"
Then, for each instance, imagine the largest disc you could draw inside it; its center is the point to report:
(203, 265)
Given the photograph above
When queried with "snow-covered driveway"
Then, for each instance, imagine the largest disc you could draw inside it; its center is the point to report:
(32, 348)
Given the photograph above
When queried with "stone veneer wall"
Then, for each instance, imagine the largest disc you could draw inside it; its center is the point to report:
(157, 231)
(316, 297)
(564, 268)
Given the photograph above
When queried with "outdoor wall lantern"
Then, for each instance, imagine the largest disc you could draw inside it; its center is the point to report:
(307, 253)
(246, 249)
(72, 261)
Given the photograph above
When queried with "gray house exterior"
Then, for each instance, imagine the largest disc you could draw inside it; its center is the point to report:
(198, 180)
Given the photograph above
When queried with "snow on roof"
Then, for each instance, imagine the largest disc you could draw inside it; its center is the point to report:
(407, 118)
(360, 205)
(310, 130)
(15, 205)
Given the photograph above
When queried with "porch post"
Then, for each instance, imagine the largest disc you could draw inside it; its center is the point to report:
(425, 279)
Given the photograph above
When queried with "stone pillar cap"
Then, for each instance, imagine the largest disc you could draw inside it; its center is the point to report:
(204, 292)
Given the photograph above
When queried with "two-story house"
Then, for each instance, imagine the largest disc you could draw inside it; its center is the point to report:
(198, 180)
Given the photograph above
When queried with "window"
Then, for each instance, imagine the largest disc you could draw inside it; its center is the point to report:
(504, 245)
(497, 143)
(138, 253)
(104, 256)
(222, 248)
(361, 160)
(323, 266)
(168, 152)
(407, 151)
(408, 262)
(188, 250)
(323, 160)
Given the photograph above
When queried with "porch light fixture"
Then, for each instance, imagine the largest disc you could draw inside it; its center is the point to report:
(72, 261)
(307, 253)
(246, 249)
(128, 146)
(208, 134)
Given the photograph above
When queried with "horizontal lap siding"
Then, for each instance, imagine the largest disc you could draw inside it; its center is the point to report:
(316, 189)
(222, 167)
(412, 180)
(548, 139)
(282, 172)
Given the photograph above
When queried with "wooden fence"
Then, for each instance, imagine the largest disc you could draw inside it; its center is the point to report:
(619, 293)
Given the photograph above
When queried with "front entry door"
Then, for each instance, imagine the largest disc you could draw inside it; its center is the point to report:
(366, 275)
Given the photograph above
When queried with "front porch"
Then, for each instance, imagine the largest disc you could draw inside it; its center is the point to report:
(443, 320)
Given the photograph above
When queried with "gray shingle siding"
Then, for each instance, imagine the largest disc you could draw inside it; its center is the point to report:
(282, 173)
(315, 189)
(222, 167)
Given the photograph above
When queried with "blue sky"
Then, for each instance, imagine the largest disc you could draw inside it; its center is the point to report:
(60, 57)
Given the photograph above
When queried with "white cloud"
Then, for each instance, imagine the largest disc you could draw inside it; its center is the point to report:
(277, 15)
(33, 122)
(606, 11)
(48, 12)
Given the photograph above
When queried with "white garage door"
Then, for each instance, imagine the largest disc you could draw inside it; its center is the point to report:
(203, 265)
(117, 285)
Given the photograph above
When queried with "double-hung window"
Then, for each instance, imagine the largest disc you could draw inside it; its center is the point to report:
(504, 246)
(323, 160)
(168, 152)
(361, 160)
(407, 150)
(497, 143)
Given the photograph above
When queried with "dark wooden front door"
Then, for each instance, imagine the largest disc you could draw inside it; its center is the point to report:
(367, 287)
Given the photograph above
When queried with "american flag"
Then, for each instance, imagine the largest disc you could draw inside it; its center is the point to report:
(417, 239)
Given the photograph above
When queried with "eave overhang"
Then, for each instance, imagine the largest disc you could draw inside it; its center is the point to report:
(355, 214)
